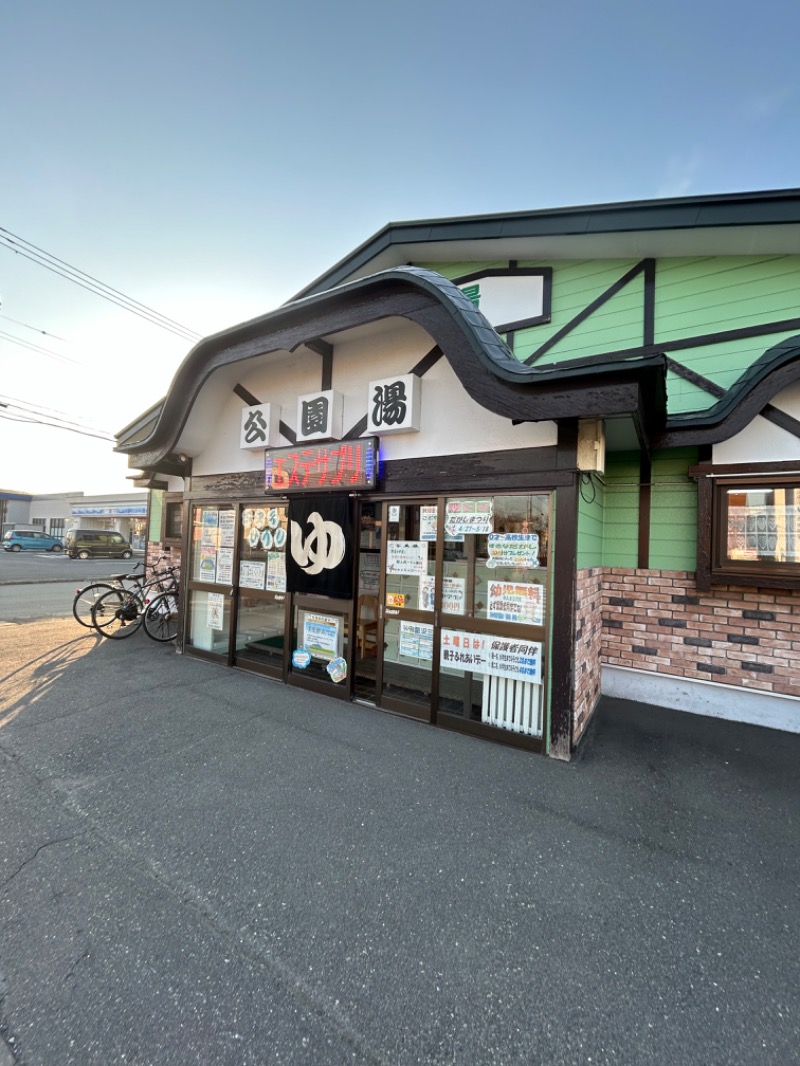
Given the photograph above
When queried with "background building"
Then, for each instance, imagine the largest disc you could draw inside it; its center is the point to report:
(58, 512)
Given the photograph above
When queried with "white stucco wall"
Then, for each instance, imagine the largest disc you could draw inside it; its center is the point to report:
(762, 441)
(451, 422)
(17, 514)
(56, 506)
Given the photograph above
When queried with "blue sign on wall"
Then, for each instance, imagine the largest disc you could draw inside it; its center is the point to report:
(138, 510)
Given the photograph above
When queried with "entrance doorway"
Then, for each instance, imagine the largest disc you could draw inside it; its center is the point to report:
(259, 640)
(237, 606)
(408, 581)
(460, 629)
(448, 623)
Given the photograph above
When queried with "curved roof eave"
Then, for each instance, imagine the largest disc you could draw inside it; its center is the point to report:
(479, 357)
(773, 371)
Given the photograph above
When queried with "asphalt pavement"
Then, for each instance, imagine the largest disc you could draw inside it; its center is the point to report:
(202, 866)
(21, 568)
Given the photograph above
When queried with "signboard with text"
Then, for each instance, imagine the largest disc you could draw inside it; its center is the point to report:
(351, 464)
(260, 426)
(510, 298)
(138, 510)
(468, 516)
(408, 557)
(478, 653)
(394, 405)
(513, 601)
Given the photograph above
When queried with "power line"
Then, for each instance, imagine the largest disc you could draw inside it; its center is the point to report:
(40, 252)
(15, 401)
(180, 331)
(53, 417)
(55, 425)
(65, 270)
(21, 411)
(39, 409)
(35, 329)
(37, 348)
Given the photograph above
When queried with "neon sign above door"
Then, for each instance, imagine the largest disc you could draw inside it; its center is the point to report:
(341, 464)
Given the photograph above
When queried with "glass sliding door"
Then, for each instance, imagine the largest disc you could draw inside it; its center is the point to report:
(262, 605)
(409, 593)
(494, 609)
(210, 580)
(464, 604)
(367, 608)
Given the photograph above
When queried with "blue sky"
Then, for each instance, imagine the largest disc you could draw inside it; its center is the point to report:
(211, 159)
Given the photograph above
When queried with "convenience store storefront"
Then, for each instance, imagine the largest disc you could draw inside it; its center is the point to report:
(126, 517)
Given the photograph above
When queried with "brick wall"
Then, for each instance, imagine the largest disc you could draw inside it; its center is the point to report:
(744, 636)
(155, 549)
(586, 681)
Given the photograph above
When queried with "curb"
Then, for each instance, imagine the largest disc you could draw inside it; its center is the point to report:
(48, 581)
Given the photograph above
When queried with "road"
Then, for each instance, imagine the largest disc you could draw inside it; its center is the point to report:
(17, 567)
(34, 585)
(28, 602)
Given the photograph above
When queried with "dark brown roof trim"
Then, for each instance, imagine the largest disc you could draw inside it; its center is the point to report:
(771, 207)
(775, 370)
(481, 360)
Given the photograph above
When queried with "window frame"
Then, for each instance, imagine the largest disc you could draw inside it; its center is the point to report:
(545, 273)
(714, 567)
(172, 502)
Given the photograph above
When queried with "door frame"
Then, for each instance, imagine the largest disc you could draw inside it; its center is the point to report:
(300, 601)
(190, 584)
(268, 595)
(395, 705)
(440, 620)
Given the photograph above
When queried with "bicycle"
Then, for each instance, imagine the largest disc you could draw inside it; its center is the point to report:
(161, 617)
(120, 613)
(87, 596)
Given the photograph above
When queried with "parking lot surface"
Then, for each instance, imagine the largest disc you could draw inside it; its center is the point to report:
(200, 866)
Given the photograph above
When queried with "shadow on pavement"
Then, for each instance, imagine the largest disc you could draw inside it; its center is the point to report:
(204, 866)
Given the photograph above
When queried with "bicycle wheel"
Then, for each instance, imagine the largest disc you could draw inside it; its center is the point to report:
(117, 618)
(161, 617)
(86, 598)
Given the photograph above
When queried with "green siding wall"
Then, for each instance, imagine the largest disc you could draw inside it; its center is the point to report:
(591, 507)
(694, 297)
(723, 364)
(156, 508)
(621, 517)
(458, 270)
(618, 323)
(608, 513)
(673, 511)
(707, 295)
